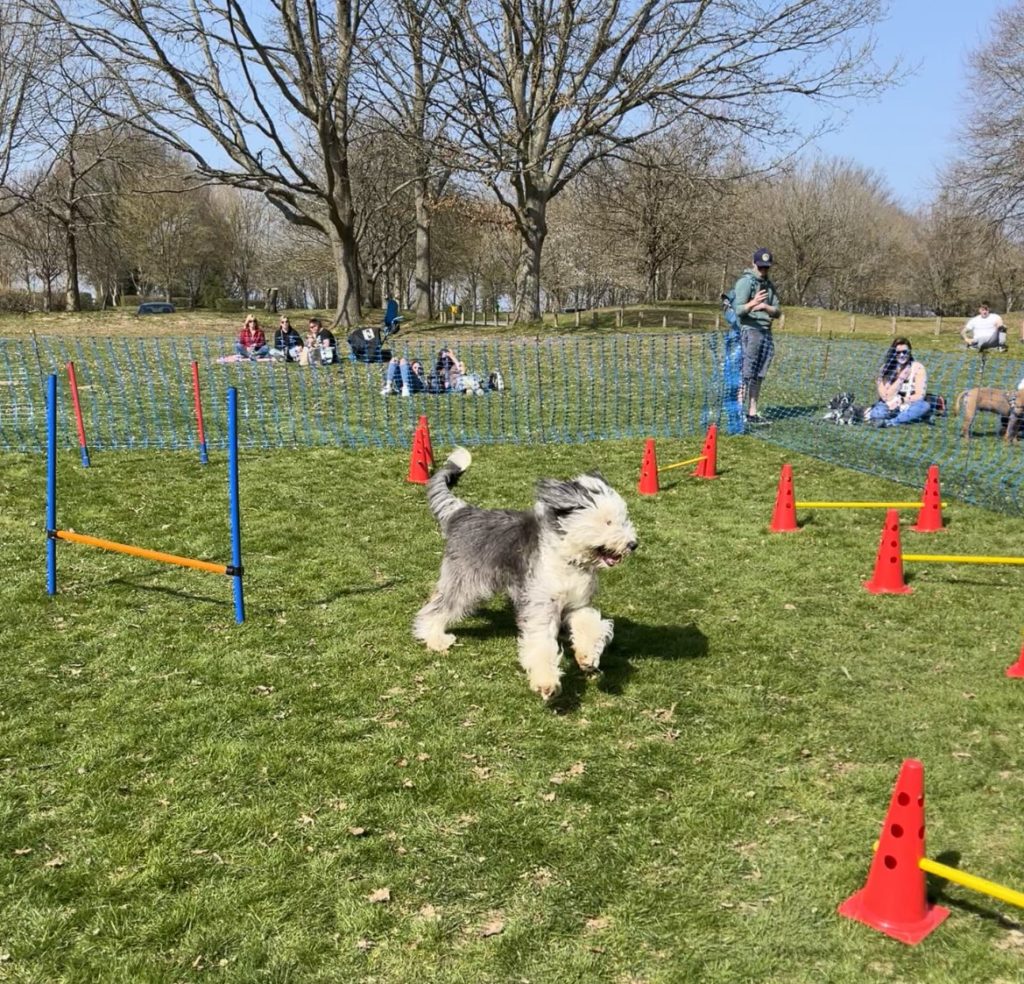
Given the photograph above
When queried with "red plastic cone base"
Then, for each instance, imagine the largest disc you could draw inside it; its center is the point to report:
(427, 446)
(648, 484)
(888, 576)
(1017, 669)
(894, 900)
(418, 470)
(929, 519)
(784, 513)
(706, 468)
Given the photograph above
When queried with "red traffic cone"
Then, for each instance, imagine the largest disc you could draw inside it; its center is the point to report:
(648, 484)
(784, 514)
(427, 447)
(888, 576)
(706, 468)
(893, 899)
(929, 519)
(1017, 669)
(418, 470)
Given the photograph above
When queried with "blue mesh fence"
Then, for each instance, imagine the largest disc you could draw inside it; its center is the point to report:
(137, 393)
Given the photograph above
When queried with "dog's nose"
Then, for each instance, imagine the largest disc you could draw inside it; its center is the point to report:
(632, 545)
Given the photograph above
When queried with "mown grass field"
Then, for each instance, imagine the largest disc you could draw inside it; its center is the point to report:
(313, 797)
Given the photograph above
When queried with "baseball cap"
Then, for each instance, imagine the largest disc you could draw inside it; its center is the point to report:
(762, 257)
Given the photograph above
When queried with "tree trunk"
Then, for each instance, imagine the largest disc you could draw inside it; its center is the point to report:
(533, 230)
(73, 295)
(421, 291)
(346, 265)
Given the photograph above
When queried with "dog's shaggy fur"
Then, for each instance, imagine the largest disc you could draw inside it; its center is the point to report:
(991, 400)
(546, 560)
(842, 409)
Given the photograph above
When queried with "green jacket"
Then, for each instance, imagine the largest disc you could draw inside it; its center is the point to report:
(746, 287)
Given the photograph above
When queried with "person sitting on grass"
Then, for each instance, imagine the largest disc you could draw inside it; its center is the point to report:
(321, 341)
(252, 343)
(409, 373)
(902, 388)
(287, 341)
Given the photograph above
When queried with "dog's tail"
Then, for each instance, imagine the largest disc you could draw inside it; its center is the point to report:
(443, 503)
(960, 399)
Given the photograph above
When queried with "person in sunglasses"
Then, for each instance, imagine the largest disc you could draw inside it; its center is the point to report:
(902, 388)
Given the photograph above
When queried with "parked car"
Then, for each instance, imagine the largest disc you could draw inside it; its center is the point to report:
(156, 307)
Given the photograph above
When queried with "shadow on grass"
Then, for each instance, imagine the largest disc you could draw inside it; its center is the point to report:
(633, 641)
(937, 890)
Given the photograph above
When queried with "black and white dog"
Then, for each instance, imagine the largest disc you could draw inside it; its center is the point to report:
(545, 559)
(843, 410)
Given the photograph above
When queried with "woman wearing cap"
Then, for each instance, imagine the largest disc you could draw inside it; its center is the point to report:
(756, 305)
(902, 388)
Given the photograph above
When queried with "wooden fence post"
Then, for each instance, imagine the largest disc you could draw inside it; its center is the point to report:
(689, 323)
(819, 324)
(853, 323)
(938, 324)
(892, 329)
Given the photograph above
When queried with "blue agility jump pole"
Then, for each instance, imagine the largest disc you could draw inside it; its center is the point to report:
(53, 534)
(236, 526)
(51, 483)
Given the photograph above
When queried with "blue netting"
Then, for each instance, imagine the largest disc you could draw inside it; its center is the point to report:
(137, 393)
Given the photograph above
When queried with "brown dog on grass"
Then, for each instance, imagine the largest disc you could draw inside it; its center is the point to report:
(991, 400)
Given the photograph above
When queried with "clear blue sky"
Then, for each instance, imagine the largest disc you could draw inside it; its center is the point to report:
(910, 132)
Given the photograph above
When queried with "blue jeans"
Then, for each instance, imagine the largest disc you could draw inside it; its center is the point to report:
(399, 369)
(260, 353)
(910, 414)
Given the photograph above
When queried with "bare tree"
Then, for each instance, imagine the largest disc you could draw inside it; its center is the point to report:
(993, 142)
(266, 88)
(545, 90)
(20, 70)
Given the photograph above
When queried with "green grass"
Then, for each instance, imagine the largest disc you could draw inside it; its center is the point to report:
(185, 799)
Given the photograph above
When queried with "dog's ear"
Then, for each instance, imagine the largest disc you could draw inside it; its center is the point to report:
(559, 499)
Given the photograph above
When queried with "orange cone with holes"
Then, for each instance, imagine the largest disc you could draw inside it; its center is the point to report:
(648, 484)
(888, 576)
(929, 519)
(419, 471)
(706, 467)
(427, 447)
(894, 900)
(784, 514)
(1017, 669)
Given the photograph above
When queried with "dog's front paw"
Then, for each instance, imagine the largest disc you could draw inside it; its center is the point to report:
(547, 688)
(441, 642)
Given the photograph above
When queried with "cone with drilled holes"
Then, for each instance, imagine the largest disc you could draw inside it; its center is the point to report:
(784, 513)
(888, 576)
(706, 467)
(894, 900)
(1017, 669)
(427, 446)
(419, 471)
(929, 519)
(648, 484)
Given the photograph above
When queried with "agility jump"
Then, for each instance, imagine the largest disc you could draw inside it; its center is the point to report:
(894, 898)
(929, 519)
(233, 570)
(706, 462)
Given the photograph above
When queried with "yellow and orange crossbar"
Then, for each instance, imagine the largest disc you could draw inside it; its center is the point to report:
(862, 505)
(961, 559)
(683, 464)
(124, 548)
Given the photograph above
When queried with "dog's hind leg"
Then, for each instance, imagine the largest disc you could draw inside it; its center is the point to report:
(590, 634)
(450, 602)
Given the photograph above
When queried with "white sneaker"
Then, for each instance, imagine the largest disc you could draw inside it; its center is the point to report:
(406, 391)
(386, 391)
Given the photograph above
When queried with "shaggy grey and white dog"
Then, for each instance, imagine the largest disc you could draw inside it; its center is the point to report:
(546, 560)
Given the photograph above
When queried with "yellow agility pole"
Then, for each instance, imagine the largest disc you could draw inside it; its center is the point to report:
(94, 541)
(861, 505)
(973, 882)
(961, 559)
(682, 464)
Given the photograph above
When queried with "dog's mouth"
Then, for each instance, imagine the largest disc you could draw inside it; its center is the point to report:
(608, 559)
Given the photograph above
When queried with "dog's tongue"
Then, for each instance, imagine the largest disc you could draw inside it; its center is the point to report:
(610, 560)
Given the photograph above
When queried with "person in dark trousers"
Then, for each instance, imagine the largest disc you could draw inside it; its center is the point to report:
(287, 341)
(756, 305)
